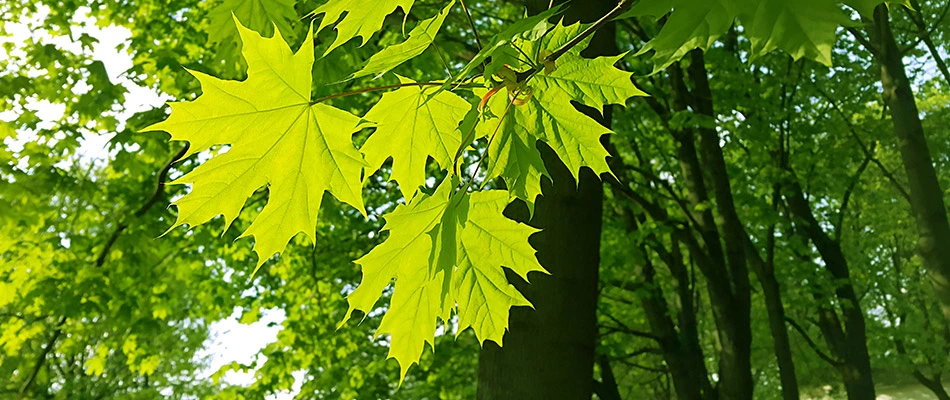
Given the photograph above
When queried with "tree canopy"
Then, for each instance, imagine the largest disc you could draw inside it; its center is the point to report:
(687, 199)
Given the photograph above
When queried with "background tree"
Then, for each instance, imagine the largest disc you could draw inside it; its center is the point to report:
(790, 164)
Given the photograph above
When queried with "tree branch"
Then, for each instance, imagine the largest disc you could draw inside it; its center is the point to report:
(847, 193)
(621, 7)
(149, 203)
(864, 149)
(864, 41)
(41, 358)
(812, 344)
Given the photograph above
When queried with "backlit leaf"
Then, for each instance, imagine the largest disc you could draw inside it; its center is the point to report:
(410, 128)
(278, 140)
(362, 19)
(446, 252)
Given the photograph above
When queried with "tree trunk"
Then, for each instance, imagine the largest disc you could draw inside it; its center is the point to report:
(934, 385)
(725, 271)
(681, 348)
(776, 312)
(735, 362)
(548, 352)
(926, 196)
(849, 344)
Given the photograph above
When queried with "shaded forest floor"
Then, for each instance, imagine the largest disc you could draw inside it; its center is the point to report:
(908, 391)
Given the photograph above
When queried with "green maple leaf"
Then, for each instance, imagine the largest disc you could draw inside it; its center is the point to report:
(693, 24)
(419, 40)
(278, 139)
(259, 15)
(412, 124)
(525, 28)
(866, 7)
(362, 19)
(446, 252)
(804, 28)
(549, 116)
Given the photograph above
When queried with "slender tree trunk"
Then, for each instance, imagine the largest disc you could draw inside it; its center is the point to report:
(606, 388)
(776, 313)
(725, 271)
(926, 196)
(549, 352)
(849, 344)
(736, 359)
(680, 347)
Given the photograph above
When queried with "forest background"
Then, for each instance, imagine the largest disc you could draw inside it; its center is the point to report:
(773, 223)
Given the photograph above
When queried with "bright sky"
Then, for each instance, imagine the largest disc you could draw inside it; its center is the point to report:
(230, 341)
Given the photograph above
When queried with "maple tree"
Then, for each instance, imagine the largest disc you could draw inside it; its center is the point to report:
(313, 137)
(304, 148)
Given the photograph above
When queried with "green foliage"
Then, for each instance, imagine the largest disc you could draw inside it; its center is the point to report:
(360, 21)
(258, 15)
(419, 40)
(299, 150)
(412, 125)
(694, 25)
(804, 29)
(446, 252)
(305, 126)
(548, 115)
(812, 39)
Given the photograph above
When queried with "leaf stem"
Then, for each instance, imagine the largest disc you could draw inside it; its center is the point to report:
(622, 6)
(376, 89)
(491, 139)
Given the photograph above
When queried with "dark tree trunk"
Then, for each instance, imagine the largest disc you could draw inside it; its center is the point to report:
(926, 196)
(848, 344)
(725, 270)
(680, 347)
(764, 270)
(934, 385)
(548, 352)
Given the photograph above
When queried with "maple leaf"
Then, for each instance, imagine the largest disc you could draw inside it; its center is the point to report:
(549, 116)
(277, 139)
(804, 28)
(499, 43)
(693, 24)
(866, 7)
(419, 40)
(412, 124)
(258, 15)
(361, 19)
(446, 252)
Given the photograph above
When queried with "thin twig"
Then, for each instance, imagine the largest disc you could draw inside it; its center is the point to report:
(621, 7)
(471, 22)
(41, 358)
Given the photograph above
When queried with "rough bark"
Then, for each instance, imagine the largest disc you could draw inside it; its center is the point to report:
(548, 352)
(926, 195)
